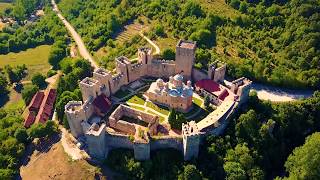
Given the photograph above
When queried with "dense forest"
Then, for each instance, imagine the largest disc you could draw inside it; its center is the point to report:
(256, 145)
(268, 41)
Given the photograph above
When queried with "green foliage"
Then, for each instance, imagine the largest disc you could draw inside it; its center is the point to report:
(39, 80)
(176, 119)
(21, 135)
(28, 92)
(304, 161)
(23, 8)
(40, 130)
(204, 38)
(190, 172)
(206, 101)
(47, 30)
(57, 53)
(164, 164)
(168, 54)
(12, 147)
(15, 74)
(3, 86)
(51, 73)
(159, 30)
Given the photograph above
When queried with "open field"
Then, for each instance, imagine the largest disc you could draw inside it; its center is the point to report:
(55, 164)
(15, 102)
(4, 5)
(35, 59)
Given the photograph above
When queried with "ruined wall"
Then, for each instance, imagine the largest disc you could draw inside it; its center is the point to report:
(123, 126)
(198, 75)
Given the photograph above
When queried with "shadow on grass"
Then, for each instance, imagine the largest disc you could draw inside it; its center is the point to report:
(3, 100)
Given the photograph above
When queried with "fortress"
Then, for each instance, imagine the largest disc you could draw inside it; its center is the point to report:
(127, 127)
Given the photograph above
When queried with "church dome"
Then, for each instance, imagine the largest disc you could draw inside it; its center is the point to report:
(178, 77)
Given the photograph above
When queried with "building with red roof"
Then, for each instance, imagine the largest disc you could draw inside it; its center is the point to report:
(216, 92)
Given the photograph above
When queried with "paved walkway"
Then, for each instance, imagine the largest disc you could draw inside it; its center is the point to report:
(77, 38)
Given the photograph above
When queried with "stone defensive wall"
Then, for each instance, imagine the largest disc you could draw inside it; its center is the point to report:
(167, 142)
(198, 74)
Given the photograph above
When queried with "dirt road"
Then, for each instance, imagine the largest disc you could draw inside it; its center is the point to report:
(77, 38)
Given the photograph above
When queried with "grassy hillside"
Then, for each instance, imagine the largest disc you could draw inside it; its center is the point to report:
(4, 5)
(271, 42)
(35, 59)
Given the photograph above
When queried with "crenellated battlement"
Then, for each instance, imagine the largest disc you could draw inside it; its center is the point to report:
(73, 107)
(117, 77)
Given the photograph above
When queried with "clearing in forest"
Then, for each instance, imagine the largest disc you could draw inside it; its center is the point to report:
(35, 59)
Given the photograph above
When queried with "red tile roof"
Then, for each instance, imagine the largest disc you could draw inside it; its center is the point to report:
(223, 94)
(36, 101)
(102, 103)
(47, 109)
(208, 85)
(30, 119)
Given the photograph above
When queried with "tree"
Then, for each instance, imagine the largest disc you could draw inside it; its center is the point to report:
(21, 135)
(39, 80)
(206, 101)
(304, 161)
(28, 92)
(3, 86)
(190, 172)
(204, 38)
(168, 54)
(159, 30)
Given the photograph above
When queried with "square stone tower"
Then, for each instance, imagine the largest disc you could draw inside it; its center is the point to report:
(103, 76)
(145, 55)
(185, 57)
(191, 140)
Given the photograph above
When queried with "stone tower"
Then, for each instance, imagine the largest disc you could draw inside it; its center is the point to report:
(191, 140)
(145, 55)
(122, 67)
(96, 141)
(185, 57)
(103, 76)
(89, 88)
(75, 115)
(217, 71)
(241, 87)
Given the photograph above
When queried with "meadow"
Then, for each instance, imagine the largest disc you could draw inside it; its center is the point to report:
(35, 59)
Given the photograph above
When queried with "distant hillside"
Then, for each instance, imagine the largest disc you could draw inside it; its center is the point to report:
(275, 42)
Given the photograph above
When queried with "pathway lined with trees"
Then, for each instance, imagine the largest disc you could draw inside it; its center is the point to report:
(77, 38)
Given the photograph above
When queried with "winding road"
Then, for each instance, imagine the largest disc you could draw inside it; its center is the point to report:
(77, 38)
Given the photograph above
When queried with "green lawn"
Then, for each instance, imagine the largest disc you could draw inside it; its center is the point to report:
(197, 101)
(162, 110)
(121, 94)
(161, 119)
(136, 100)
(4, 5)
(35, 59)
(137, 107)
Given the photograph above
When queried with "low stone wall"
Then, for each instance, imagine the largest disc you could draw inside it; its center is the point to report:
(165, 143)
(198, 75)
